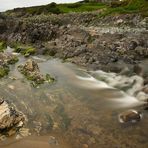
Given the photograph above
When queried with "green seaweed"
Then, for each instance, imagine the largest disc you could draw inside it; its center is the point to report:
(4, 71)
(3, 46)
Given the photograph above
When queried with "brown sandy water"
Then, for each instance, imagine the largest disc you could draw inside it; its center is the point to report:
(78, 113)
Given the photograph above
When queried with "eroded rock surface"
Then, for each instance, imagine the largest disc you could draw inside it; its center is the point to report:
(11, 120)
(31, 70)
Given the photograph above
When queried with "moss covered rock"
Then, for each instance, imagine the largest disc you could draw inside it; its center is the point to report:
(4, 71)
(23, 49)
(5, 61)
(31, 70)
(3, 46)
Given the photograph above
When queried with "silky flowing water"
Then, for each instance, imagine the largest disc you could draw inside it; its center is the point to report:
(78, 109)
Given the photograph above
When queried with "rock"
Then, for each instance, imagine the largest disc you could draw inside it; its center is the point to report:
(31, 70)
(142, 51)
(5, 60)
(31, 66)
(131, 116)
(10, 118)
(18, 137)
(24, 132)
(52, 141)
(2, 137)
(138, 70)
(38, 126)
(133, 45)
(120, 21)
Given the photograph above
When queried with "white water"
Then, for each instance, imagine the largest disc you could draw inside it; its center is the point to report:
(131, 96)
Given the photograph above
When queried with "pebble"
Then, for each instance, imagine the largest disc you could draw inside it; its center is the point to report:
(132, 116)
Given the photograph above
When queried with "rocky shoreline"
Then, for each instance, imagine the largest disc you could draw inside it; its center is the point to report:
(83, 39)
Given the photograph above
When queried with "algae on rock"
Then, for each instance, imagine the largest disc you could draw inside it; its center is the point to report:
(31, 70)
(3, 46)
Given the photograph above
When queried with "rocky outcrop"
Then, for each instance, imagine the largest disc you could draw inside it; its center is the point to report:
(31, 70)
(83, 39)
(11, 120)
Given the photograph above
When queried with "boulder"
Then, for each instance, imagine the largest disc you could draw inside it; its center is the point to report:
(10, 118)
(31, 66)
(31, 70)
(131, 116)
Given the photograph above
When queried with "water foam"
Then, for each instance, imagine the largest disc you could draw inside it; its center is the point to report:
(130, 88)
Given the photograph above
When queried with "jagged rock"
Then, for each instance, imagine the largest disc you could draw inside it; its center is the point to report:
(31, 66)
(130, 116)
(10, 118)
(31, 70)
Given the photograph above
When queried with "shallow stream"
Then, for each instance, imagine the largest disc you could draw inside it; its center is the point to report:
(80, 109)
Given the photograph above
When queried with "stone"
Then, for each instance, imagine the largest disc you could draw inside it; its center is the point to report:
(31, 65)
(24, 132)
(131, 116)
(142, 51)
(52, 141)
(32, 72)
(138, 70)
(10, 118)
(133, 45)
